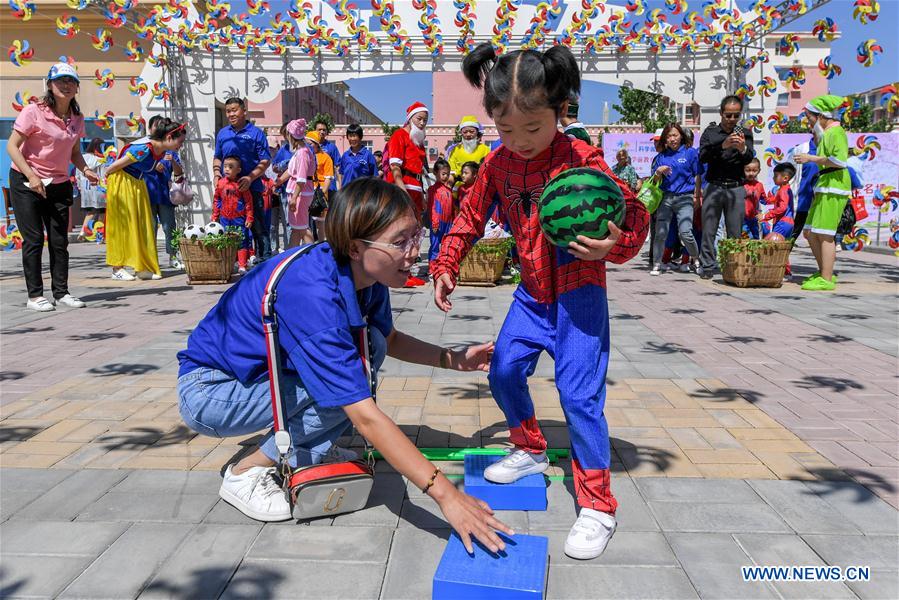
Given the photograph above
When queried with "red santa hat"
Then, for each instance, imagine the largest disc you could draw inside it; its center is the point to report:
(415, 107)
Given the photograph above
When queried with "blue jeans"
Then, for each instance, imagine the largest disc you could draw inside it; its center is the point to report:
(166, 215)
(216, 404)
(681, 207)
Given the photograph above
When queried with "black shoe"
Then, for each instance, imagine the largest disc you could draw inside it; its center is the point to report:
(707, 275)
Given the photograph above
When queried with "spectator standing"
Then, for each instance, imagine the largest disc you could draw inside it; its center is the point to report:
(93, 196)
(676, 169)
(44, 142)
(358, 161)
(329, 148)
(726, 149)
(470, 149)
(407, 155)
(244, 140)
(625, 171)
(279, 217)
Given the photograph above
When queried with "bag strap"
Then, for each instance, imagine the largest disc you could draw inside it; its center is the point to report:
(273, 352)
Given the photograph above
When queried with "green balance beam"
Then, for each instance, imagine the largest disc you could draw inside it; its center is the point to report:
(458, 454)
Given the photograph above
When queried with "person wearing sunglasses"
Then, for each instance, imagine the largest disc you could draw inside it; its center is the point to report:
(325, 298)
(725, 149)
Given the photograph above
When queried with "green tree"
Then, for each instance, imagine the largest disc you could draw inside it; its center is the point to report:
(796, 126)
(388, 129)
(325, 118)
(862, 120)
(637, 107)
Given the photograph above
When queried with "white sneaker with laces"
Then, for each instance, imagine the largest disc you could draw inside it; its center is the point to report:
(252, 262)
(70, 301)
(684, 268)
(148, 275)
(40, 304)
(694, 266)
(241, 270)
(122, 275)
(516, 465)
(336, 454)
(256, 494)
(590, 534)
(174, 262)
(656, 270)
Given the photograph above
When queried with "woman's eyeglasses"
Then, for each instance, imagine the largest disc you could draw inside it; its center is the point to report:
(413, 243)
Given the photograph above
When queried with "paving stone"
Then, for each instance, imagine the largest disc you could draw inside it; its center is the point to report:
(884, 583)
(566, 582)
(689, 489)
(66, 500)
(177, 482)
(124, 569)
(561, 508)
(875, 551)
(12, 500)
(26, 480)
(331, 544)
(204, 564)
(39, 576)
(305, 579)
(682, 516)
(626, 549)
(414, 556)
(858, 505)
(633, 513)
(712, 561)
(801, 508)
(774, 549)
(58, 537)
(422, 512)
(186, 508)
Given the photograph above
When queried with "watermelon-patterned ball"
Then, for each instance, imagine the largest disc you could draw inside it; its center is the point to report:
(580, 201)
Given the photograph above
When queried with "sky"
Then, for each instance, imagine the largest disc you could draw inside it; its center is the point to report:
(855, 77)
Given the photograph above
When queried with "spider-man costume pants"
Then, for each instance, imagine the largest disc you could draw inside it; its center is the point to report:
(246, 244)
(575, 332)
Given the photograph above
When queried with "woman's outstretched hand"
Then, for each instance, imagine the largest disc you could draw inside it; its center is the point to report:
(472, 518)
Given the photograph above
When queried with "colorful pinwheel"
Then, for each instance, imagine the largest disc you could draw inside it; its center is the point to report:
(868, 52)
(20, 53)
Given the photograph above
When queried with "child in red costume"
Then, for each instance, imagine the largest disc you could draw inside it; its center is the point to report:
(442, 208)
(232, 207)
(561, 305)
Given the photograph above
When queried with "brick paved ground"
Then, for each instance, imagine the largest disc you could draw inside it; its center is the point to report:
(749, 427)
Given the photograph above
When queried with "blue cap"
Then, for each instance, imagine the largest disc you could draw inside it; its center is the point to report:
(62, 70)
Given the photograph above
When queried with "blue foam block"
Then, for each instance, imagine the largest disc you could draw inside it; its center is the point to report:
(518, 573)
(528, 493)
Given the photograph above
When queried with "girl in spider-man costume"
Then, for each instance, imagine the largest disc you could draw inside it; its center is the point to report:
(561, 305)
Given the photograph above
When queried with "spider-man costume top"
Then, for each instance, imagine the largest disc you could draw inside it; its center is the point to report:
(546, 271)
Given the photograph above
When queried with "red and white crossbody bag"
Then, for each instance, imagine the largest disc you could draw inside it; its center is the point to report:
(323, 489)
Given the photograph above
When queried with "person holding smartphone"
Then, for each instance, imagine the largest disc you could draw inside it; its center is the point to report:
(725, 148)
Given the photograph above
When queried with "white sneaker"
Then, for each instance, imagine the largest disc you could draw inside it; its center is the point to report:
(70, 301)
(516, 465)
(684, 268)
(256, 494)
(241, 270)
(656, 270)
(590, 534)
(174, 262)
(148, 275)
(40, 304)
(122, 275)
(336, 454)
(252, 262)
(694, 266)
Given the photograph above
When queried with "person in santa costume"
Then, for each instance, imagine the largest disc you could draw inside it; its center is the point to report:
(407, 154)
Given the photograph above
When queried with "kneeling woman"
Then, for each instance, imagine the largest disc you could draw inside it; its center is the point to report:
(324, 299)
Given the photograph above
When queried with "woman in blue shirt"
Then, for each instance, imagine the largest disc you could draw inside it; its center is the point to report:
(677, 171)
(324, 299)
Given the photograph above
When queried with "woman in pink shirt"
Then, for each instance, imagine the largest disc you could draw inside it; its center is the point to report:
(44, 142)
(299, 176)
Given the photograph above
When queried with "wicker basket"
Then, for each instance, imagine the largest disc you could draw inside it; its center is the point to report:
(484, 268)
(207, 265)
(768, 271)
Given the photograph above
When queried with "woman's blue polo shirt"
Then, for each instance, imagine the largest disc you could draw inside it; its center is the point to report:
(318, 311)
(684, 163)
